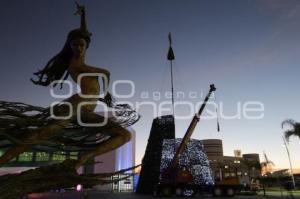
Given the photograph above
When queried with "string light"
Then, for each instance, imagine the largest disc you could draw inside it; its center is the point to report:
(193, 159)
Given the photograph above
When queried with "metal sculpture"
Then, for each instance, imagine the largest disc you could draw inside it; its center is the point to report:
(25, 127)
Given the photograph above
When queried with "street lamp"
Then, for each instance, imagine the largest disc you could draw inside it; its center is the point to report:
(291, 168)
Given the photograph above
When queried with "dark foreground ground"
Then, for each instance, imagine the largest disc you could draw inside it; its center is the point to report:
(101, 195)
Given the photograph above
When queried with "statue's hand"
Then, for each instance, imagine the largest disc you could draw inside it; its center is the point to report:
(80, 9)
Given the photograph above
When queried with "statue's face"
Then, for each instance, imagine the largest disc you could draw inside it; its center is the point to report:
(78, 47)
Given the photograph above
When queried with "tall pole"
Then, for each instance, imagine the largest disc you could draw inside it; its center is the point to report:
(172, 88)
(291, 168)
(171, 57)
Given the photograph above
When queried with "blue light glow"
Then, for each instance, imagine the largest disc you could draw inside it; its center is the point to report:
(125, 156)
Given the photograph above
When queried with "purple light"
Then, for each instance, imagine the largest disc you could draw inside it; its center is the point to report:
(79, 187)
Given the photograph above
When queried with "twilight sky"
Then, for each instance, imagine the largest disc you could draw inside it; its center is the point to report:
(249, 49)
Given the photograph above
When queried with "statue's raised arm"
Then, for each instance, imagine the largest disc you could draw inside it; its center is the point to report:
(81, 11)
(71, 125)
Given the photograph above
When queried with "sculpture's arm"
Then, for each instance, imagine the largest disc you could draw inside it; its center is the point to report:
(81, 11)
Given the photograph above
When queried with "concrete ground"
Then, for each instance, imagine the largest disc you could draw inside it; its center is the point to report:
(101, 195)
(280, 193)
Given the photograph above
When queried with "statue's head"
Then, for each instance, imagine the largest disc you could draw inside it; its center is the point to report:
(78, 40)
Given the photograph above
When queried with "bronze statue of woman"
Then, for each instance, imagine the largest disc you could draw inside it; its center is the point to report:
(71, 61)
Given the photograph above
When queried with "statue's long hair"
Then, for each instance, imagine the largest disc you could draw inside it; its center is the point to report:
(57, 66)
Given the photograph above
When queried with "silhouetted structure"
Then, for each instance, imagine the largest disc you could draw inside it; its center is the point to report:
(71, 125)
(162, 128)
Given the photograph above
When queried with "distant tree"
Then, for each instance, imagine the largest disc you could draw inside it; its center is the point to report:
(294, 129)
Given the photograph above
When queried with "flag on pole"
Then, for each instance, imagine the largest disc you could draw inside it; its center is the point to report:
(218, 124)
(171, 55)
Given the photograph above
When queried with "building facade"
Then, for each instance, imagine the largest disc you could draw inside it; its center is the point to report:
(213, 148)
(244, 166)
(32, 159)
(121, 158)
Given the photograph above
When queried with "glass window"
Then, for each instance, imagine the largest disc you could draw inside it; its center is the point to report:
(116, 183)
(59, 156)
(26, 157)
(125, 185)
(74, 155)
(42, 156)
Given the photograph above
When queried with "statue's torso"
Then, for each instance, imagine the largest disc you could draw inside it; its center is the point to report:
(88, 83)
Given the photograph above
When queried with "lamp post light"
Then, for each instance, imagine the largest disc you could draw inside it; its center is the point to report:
(291, 168)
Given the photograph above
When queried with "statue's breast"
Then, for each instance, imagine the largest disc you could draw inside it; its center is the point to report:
(88, 83)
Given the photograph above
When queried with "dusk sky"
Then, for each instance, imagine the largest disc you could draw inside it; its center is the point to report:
(248, 49)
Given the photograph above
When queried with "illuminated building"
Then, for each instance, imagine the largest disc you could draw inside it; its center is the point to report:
(32, 159)
(121, 158)
(244, 166)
